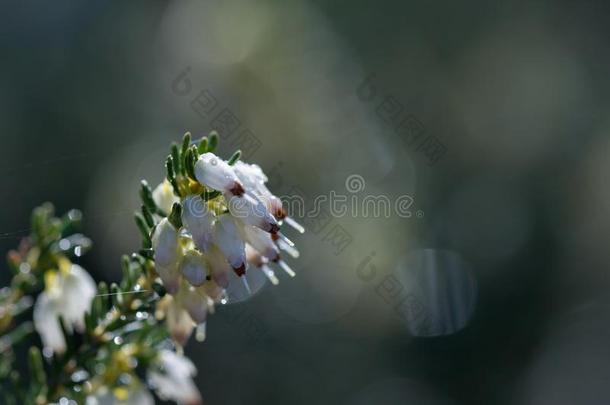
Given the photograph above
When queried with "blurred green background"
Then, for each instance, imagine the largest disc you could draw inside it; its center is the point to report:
(494, 291)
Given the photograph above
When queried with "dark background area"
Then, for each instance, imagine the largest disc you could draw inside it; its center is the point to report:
(516, 212)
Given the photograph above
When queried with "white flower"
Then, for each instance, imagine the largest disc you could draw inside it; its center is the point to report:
(215, 173)
(172, 378)
(253, 179)
(68, 295)
(257, 260)
(163, 195)
(252, 211)
(194, 267)
(137, 395)
(195, 302)
(198, 220)
(215, 292)
(261, 241)
(179, 322)
(167, 254)
(228, 240)
(220, 266)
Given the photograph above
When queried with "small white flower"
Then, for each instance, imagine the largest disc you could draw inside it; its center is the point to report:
(195, 302)
(215, 173)
(179, 322)
(194, 267)
(167, 254)
(220, 266)
(198, 220)
(69, 295)
(163, 195)
(173, 378)
(255, 259)
(253, 179)
(215, 292)
(252, 211)
(228, 240)
(261, 241)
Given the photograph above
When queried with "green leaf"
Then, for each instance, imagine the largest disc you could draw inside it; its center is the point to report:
(144, 230)
(102, 294)
(116, 295)
(186, 142)
(213, 141)
(203, 145)
(171, 174)
(235, 157)
(150, 221)
(146, 196)
(176, 158)
(190, 160)
(36, 367)
(175, 218)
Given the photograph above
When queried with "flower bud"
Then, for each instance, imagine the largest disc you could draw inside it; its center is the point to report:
(253, 212)
(194, 267)
(261, 241)
(199, 221)
(194, 302)
(167, 254)
(219, 266)
(179, 322)
(228, 240)
(165, 244)
(215, 173)
(164, 197)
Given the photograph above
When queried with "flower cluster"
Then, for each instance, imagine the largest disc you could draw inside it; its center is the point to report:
(204, 227)
(210, 221)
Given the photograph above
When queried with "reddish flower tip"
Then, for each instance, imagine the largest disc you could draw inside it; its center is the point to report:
(274, 228)
(241, 270)
(237, 189)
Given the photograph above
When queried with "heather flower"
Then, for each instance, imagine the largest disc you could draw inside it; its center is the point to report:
(172, 378)
(68, 294)
(199, 221)
(252, 211)
(216, 174)
(194, 267)
(228, 240)
(223, 219)
(163, 196)
(167, 254)
(210, 224)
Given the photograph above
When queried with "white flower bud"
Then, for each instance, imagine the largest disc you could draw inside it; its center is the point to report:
(228, 240)
(163, 195)
(173, 378)
(167, 254)
(70, 297)
(252, 211)
(251, 175)
(194, 267)
(165, 244)
(253, 179)
(219, 266)
(199, 221)
(215, 292)
(179, 322)
(215, 173)
(194, 302)
(261, 241)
